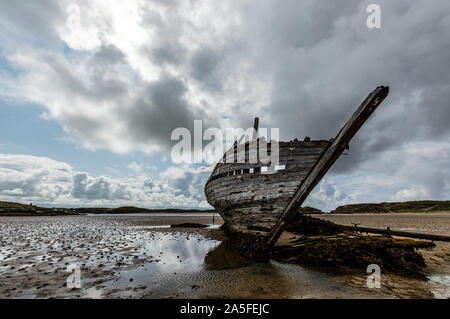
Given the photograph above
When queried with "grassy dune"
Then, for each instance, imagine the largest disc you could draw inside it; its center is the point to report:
(14, 205)
(395, 207)
(17, 209)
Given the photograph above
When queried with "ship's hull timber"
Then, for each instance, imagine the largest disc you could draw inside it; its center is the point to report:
(251, 201)
(260, 204)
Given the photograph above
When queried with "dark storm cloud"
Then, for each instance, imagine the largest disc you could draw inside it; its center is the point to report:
(108, 55)
(36, 18)
(165, 3)
(168, 53)
(324, 61)
(166, 48)
(160, 109)
(293, 24)
(204, 68)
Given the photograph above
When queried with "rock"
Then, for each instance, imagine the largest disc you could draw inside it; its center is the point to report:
(188, 225)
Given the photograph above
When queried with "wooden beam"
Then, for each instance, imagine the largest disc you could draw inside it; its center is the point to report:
(327, 159)
(397, 233)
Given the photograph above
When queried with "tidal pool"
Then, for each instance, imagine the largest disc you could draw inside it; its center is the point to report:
(140, 257)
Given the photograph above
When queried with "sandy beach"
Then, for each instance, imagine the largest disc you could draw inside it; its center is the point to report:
(141, 257)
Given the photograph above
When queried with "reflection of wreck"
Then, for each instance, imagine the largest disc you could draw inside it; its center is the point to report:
(257, 198)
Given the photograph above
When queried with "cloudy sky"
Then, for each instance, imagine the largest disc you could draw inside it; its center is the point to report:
(91, 90)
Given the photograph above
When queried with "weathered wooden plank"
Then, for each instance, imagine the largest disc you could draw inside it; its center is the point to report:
(248, 192)
(243, 194)
(258, 181)
(262, 181)
(292, 162)
(329, 156)
(291, 168)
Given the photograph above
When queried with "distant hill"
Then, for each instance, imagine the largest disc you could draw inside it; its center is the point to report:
(310, 210)
(394, 207)
(17, 209)
(13, 205)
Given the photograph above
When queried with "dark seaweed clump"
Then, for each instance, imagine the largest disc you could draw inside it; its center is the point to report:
(324, 243)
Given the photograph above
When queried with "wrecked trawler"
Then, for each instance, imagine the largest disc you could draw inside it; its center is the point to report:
(257, 199)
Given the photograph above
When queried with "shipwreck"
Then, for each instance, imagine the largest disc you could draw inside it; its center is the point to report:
(256, 199)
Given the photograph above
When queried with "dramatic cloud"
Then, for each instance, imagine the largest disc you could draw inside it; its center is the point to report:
(132, 71)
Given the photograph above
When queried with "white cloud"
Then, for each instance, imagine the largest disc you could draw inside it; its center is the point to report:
(135, 70)
(31, 178)
(48, 182)
(408, 194)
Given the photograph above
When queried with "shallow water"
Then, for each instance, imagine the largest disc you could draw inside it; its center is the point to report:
(140, 257)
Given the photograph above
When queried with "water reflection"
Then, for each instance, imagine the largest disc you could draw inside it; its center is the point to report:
(223, 257)
(174, 256)
(191, 266)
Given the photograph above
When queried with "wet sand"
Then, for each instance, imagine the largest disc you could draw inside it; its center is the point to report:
(140, 257)
(436, 259)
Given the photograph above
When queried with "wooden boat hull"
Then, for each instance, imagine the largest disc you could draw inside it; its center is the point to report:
(251, 202)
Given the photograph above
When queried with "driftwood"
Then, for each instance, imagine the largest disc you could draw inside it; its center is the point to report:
(388, 231)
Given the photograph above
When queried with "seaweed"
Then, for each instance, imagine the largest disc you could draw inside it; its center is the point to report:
(325, 244)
